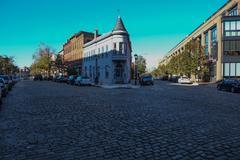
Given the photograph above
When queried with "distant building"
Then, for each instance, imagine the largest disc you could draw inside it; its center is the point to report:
(73, 50)
(24, 72)
(107, 59)
(220, 35)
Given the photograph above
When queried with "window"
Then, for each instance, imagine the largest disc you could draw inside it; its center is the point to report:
(94, 71)
(106, 51)
(125, 48)
(98, 72)
(238, 25)
(121, 47)
(233, 25)
(232, 48)
(85, 71)
(238, 69)
(106, 48)
(233, 11)
(226, 69)
(106, 72)
(214, 42)
(206, 43)
(114, 48)
(99, 51)
(232, 69)
(214, 34)
(90, 71)
(102, 49)
(232, 28)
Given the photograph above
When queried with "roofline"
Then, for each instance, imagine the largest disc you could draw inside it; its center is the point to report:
(77, 35)
(200, 26)
(105, 36)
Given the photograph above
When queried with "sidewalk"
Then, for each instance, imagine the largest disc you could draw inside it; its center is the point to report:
(119, 86)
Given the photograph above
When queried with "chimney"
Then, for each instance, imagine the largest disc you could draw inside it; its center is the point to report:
(95, 33)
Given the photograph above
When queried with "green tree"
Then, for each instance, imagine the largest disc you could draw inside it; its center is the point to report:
(192, 61)
(43, 62)
(59, 64)
(7, 65)
(141, 64)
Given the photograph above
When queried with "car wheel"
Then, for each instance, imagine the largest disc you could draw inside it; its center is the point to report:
(219, 88)
(233, 90)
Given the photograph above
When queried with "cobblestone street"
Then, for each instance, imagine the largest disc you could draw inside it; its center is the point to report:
(46, 120)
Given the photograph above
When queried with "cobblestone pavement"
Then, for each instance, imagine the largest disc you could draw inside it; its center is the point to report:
(46, 120)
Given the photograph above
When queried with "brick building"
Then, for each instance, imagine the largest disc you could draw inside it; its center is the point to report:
(73, 50)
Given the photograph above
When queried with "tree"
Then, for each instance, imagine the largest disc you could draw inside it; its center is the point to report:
(7, 65)
(192, 61)
(141, 65)
(59, 63)
(43, 62)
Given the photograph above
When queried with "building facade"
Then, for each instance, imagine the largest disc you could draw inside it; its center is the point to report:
(73, 50)
(220, 36)
(107, 59)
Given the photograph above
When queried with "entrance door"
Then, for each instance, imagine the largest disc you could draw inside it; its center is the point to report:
(118, 73)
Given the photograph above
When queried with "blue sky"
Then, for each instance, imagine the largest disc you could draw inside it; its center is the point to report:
(155, 26)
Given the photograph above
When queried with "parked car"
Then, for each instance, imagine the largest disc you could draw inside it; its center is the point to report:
(146, 79)
(164, 78)
(50, 78)
(45, 78)
(3, 87)
(231, 85)
(62, 79)
(71, 80)
(58, 79)
(174, 79)
(0, 95)
(78, 81)
(85, 81)
(38, 78)
(184, 80)
(55, 78)
(7, 82)
(11, 80)
(16, 79)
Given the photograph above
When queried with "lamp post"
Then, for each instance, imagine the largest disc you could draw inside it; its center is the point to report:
(135, 68)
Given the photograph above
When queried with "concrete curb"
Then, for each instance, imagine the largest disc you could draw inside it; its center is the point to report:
(127, 86)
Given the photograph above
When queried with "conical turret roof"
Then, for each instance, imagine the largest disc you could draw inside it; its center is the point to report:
(119, 26)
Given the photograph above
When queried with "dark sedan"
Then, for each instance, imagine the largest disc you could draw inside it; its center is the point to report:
(71, 79)
(231, 85)
(146, 79)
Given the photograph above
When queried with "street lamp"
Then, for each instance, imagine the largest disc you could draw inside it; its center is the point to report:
(135, 68)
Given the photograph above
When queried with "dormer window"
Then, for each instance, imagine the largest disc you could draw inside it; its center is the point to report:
(233, 11)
